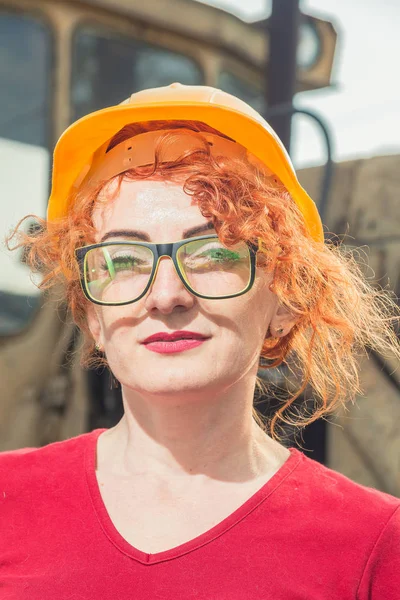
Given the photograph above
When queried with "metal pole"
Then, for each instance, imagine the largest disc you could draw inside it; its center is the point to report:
(283, 27)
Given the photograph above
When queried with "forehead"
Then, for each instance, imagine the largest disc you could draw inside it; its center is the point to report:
(156, 207)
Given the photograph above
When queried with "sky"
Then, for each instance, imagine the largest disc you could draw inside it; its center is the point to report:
(362, 106)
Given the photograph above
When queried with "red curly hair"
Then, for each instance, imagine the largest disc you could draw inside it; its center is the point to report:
(340, 313)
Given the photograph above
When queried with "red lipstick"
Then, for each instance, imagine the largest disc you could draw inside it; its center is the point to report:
(178, 341)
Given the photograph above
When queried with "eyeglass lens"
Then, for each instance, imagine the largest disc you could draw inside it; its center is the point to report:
(120, 273)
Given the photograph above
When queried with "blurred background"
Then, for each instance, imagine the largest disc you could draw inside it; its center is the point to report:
(322, 72)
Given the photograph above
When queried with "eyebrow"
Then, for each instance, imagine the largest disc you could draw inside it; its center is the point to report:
(141, 235)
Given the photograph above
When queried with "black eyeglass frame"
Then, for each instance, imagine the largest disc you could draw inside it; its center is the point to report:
(160, 250)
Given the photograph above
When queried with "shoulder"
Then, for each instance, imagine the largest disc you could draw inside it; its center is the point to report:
(335, 498)
(34, 463)
(326, 484)
(352, 528)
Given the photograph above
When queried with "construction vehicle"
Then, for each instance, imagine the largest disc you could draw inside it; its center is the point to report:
(59, 61)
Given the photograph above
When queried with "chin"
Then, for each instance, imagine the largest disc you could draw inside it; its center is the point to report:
(174, 384)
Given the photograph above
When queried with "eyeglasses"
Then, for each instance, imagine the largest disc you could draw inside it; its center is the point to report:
(117, 273)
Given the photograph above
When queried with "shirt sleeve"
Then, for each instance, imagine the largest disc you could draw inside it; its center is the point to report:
(381, 577)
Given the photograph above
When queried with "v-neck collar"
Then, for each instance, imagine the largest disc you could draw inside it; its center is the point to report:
(208, 536)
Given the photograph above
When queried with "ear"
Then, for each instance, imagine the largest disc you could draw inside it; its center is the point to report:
(94, 324)
(283, 319)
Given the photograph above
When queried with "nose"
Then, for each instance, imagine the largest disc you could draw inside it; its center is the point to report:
(167, 290)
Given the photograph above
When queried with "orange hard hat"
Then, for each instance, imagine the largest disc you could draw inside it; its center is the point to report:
(80, 146)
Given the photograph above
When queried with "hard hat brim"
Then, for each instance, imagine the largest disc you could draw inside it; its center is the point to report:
(78, 143)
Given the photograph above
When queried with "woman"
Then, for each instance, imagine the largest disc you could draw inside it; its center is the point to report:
(191, 495)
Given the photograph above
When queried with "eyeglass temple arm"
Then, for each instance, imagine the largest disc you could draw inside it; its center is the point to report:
(110, 264)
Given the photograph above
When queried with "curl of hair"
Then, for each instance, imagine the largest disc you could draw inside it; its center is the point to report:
(340, 313)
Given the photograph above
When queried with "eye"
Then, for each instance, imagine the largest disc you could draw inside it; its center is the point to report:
(221, 254)
(124, 261)
(119, 263)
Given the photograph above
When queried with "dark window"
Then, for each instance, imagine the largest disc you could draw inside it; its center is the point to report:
(25, 50)
(108, 68)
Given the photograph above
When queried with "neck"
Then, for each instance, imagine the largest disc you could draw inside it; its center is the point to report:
(190, 437)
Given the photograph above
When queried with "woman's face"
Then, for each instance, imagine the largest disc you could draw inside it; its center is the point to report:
(235, 327)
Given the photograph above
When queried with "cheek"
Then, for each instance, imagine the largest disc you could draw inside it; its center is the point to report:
(261, 305)
(248, 315)
(117, 321)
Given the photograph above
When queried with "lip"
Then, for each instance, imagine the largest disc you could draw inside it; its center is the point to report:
(163, 336)
(173, 347)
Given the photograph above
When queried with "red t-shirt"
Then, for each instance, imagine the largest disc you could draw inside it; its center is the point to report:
(309, 533)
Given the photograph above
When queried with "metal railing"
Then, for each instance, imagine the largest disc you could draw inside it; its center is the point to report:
(322, 204)
(289, 109)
